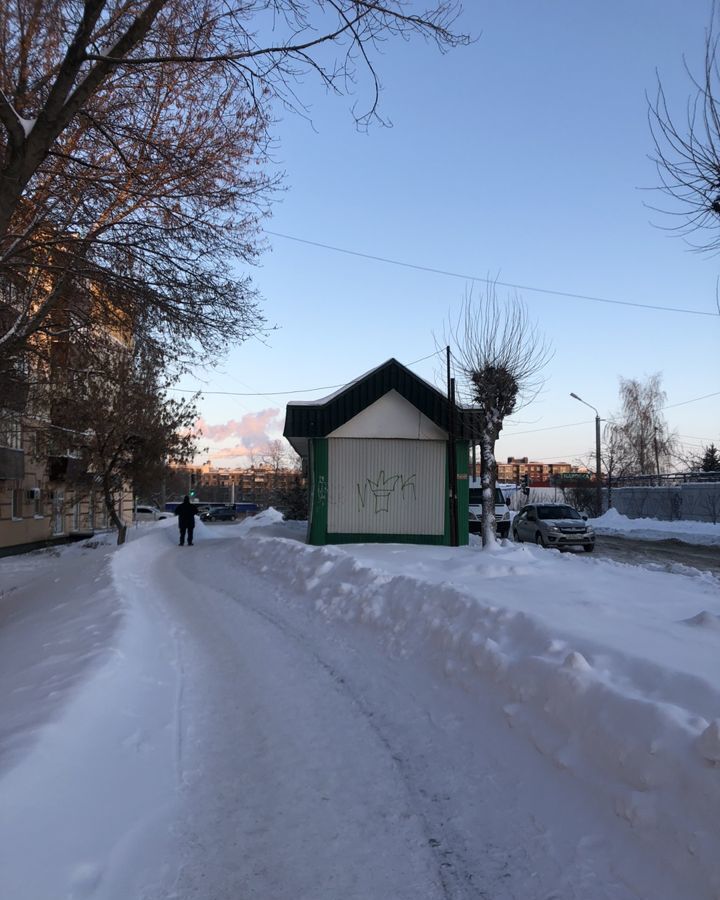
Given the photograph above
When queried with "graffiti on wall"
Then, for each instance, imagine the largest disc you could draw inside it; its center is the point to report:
(383, 488)
(321, 490)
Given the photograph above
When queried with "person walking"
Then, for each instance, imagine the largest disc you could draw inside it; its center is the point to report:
(186, 513)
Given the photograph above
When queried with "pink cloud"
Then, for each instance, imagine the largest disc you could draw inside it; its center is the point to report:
(231, 452)
(252, 430)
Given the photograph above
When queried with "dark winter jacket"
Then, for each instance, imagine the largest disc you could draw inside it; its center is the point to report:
(186, 513)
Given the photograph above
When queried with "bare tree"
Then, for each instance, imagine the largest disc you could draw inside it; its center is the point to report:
(275, 455)
(122, 423)
(132, 136)
(687, 152)
(501, 355)
(640, 434)
(614, 458)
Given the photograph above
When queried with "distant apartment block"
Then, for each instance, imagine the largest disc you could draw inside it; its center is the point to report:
(261, 484)
(540, 474)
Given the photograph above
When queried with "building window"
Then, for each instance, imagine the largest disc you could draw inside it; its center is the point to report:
(17, 503)
(10, 432)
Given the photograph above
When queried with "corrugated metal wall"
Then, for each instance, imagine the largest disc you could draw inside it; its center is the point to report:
(381, 486)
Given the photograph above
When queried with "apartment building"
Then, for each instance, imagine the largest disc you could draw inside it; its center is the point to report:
(262, 484)
(48, 494)
(540, 474)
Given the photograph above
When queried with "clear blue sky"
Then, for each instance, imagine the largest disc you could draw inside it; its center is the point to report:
(524, 156)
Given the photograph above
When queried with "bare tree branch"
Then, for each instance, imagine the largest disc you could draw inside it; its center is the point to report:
(133, 144)
(687, 154)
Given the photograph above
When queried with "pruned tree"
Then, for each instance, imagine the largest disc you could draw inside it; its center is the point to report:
(132, 137)
(639, 432)
(121, 421)
(500, 355)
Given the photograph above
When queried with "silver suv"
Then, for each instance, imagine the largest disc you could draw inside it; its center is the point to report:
(553, 525)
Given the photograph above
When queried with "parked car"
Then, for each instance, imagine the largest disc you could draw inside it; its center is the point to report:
(502, 513)
(553, 525)
(220, 513)
(149, 514)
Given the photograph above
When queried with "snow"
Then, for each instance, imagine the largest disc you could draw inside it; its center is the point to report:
(27, 125)
(253, 716)
(613, 522)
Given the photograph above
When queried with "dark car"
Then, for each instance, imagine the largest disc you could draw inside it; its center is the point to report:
(220, 514)
(553, 525)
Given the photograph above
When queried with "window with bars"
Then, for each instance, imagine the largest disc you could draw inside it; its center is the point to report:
(10, 431)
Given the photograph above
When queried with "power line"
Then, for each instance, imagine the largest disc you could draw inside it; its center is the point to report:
(546, 428)
(694, 400)
(610, 419)
(509, 284)
(327, 387)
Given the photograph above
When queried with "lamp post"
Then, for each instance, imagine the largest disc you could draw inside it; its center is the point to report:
(598, 479)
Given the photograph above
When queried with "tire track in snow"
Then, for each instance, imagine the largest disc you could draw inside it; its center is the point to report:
(456, 882)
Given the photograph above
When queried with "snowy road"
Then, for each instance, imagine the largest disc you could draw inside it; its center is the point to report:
(668, 553)
(250, 747)
(315, 766)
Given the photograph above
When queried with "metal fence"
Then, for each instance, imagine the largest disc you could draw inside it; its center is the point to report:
(698, 501)
(668, 480)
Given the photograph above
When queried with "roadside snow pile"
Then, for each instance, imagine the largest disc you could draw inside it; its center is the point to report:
(51, 636)
(262, 519)
(611, 671)
(613, 522)
(273, 522)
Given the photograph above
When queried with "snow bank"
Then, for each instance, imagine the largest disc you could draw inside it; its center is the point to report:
(91, 699)
(610, 671)
(52, 635)
(613, 522)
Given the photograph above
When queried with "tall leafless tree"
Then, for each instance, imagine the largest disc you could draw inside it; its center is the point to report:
(640, 433)
(501, 355)
(132, 138)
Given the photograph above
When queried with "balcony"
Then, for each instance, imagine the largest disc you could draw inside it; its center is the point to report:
(12, 463)
(67, 468)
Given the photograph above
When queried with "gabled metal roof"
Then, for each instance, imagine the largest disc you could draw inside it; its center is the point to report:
(321, 417)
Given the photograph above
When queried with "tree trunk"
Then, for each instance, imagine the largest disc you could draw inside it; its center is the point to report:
(488, 478)
(112, 512)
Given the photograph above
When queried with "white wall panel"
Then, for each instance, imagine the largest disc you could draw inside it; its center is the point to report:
(392, 416)
(380, 486)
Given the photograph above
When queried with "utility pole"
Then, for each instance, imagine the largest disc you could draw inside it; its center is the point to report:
(452, 460)
(657, 454)
(598, 472)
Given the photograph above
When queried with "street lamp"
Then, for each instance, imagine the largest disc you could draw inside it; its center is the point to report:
(598, 480)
